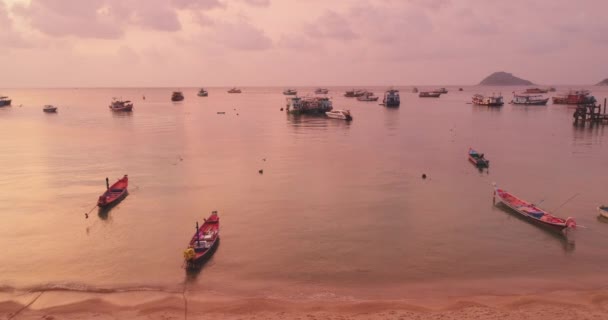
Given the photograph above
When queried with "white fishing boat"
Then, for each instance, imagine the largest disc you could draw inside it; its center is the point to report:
(290, 92)
(529, 100)
(49, 108)
(121, 105)
(340, 114)
(308, 105)
(490, 101)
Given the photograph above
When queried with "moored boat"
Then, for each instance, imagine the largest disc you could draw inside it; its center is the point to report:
(308, 105)
(573, 97)
(368, 96)
(603, 210)
(49, 108)
(441, 90)
(177, 96)
(354, 93)
(529, 100)
(202, 93)
(321, 91)
(340, 114)
(491, 101)
(427, 94)
(478, 159)
(234, 90)
(121, 105)
(290, 92)
(203, 242)
(536, 90)
(391, 98)
(5, 101)
(114, 193)
(532, 213)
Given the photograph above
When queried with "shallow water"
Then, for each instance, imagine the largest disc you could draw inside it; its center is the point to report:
(340, 206)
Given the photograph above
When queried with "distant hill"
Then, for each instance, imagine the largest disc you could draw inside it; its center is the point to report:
(504, 79)
(603, 82)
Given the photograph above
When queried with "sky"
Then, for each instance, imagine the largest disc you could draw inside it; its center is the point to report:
(177, 43)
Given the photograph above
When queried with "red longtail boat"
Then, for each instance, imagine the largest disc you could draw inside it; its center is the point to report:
(115, 193)
(534, 214)
(203, 242)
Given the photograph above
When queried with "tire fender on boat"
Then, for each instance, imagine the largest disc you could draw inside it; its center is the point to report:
(189, 254)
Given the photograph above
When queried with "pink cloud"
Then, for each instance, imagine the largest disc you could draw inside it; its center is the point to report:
(106, 19)
(259, 3)
(331, 25)
(241, 35)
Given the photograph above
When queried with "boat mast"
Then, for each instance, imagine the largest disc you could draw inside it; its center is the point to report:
(198, 240)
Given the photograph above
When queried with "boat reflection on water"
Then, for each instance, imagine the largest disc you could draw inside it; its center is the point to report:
(193, 272)
(567, 242)
(315, 121)
(104, 212)
(122, 114)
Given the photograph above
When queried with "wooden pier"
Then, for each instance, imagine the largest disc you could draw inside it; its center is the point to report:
(590, 112)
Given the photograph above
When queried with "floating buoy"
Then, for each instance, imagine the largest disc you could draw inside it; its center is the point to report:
(261, 171)
(86, 215)
(423, 176)
(281, 109)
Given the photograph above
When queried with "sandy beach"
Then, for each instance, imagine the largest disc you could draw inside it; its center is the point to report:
(163, 305)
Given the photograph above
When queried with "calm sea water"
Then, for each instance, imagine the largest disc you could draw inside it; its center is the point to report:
(340, 208)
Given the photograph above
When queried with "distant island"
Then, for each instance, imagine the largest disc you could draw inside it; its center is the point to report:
(504, 79)
(603, 82)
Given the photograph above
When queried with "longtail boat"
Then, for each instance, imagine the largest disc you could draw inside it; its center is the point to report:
(115, 193)
(603, 211)
(534, 214)
(203, 242)
(478, 159)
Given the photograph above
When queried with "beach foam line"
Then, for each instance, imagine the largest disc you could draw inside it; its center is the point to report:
(85, 288)
(128, 305)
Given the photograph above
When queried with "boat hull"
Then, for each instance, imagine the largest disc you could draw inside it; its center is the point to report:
(477, 160)
(479, 163)
(429, 95)
(542, 102)
(5, 103)
(54, 110)
(366, 99)
(603, 211)
(339, 116)
(122, 109)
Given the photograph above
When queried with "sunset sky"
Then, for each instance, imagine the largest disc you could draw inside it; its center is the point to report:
(111, 43)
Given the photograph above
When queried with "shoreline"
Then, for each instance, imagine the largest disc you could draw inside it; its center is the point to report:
(563, 304)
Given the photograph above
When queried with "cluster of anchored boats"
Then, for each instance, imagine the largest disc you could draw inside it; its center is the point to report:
(323, 104)
(534, 97)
